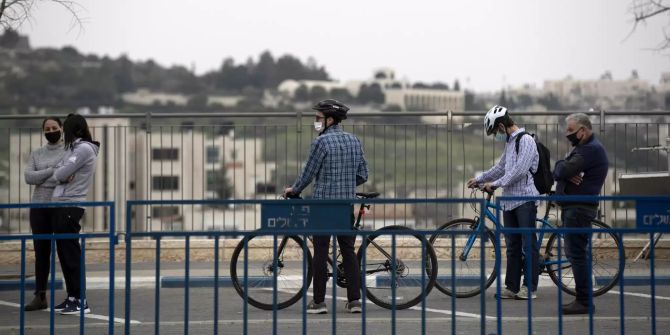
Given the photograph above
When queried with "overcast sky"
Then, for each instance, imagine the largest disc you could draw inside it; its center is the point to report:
(485, 44)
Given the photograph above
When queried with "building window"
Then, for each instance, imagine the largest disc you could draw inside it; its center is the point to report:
(165, 183)
(165, 154)
(164, 211)
(212, 155)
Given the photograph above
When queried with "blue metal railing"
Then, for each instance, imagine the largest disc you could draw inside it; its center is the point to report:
(651, 230)
(393, 234)
(53, 238)
(297, 232)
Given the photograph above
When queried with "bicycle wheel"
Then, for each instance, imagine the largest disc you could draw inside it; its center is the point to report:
(379, 267)
(605, 269)
(290, 278)
(465, 253)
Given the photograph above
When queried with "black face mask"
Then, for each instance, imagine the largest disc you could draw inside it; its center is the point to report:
(573, 138)
(53, 137)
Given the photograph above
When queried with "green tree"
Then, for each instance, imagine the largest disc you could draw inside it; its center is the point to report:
(371, 94)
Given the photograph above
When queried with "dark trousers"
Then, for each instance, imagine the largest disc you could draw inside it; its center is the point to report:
(519, 245)
(352, 271)
(69, 251)
(576, 248)
(42, 222)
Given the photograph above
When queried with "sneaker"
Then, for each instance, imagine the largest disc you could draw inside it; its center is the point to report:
(39, 302)
(62, 305)
(314, 308)
(576, 307)
(523, 294)
(353, 306)
(74, 306)
(506, 293)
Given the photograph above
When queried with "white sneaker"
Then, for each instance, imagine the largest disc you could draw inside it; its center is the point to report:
(506, 293)
(523, 294)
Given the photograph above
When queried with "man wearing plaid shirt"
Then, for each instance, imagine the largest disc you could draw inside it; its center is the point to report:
(337, 164)
(513, 174)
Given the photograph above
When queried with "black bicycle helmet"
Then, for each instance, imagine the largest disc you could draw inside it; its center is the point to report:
(332, 108)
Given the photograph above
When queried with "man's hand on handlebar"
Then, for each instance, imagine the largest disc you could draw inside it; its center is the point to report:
(472, 183)
(486, 187)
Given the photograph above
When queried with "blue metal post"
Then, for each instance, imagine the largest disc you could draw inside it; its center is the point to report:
(23, 286)
(82, 285)
(394, 267)
(498, 265)
(559, 239)
(653, 282)
(186, 283)
(275, 267)
(305, 284)
(589, 258)
(528, 277)
(453, 283)
(334, 284)
(216, 284)
(245, 308)
(622, 279)
(482, 279)
(112, 265)
(157, 290)
(364, 282)
(423, 284)
(53, 285)
(129, 250)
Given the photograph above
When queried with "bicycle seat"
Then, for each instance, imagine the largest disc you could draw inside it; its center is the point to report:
(367, 195)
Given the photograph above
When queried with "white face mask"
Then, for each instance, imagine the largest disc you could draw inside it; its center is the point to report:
(318, 125)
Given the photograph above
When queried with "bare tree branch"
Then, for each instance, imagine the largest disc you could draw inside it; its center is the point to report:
(643, 10)
(14, 13)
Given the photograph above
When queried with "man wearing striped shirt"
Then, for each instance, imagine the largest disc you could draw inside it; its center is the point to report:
(513, 173)
(337, 164)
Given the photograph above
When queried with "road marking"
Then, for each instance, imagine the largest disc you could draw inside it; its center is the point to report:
(640, 295)
(90, 316)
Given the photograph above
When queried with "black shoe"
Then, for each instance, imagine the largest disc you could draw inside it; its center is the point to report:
(74, 306)
(39, 302)
(62, 305)
(576, 307)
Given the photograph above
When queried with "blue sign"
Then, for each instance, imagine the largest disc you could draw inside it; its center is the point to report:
(285, 217)
(653, 214)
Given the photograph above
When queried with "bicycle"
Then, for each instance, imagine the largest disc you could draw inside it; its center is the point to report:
(379, 265)
(606, 269)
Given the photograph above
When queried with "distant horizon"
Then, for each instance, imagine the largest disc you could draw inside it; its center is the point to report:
(487, 46)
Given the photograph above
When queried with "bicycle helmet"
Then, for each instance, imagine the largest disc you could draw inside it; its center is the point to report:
(493, 117)
(332, 108)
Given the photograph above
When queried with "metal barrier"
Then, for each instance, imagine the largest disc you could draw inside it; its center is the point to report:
(273, 281)
(655, 207)
(251, 156)
(653, 222)
(53, 238)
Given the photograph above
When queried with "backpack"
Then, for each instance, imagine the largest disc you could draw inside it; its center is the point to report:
(543, 178)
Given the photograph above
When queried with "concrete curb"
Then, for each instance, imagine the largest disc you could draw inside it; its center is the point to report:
(102, 283)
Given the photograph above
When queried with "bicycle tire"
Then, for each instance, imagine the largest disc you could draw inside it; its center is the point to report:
(474, 276)
(603, 282)
(288, 297)
(430, 264)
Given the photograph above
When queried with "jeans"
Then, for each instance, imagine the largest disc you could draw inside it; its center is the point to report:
(42, 222)
(518, 247)
(576, 248)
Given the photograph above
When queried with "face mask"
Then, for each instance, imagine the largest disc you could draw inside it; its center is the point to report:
(53, 137)
(573, 138)
(318, 126)
(501, 137)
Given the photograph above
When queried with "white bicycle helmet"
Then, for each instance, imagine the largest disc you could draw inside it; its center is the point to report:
(492, 118)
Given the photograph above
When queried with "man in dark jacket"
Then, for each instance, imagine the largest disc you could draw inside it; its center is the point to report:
(582, 173)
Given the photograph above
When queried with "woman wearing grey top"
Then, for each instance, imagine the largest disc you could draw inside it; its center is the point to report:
(38, 172)
(74, 175)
